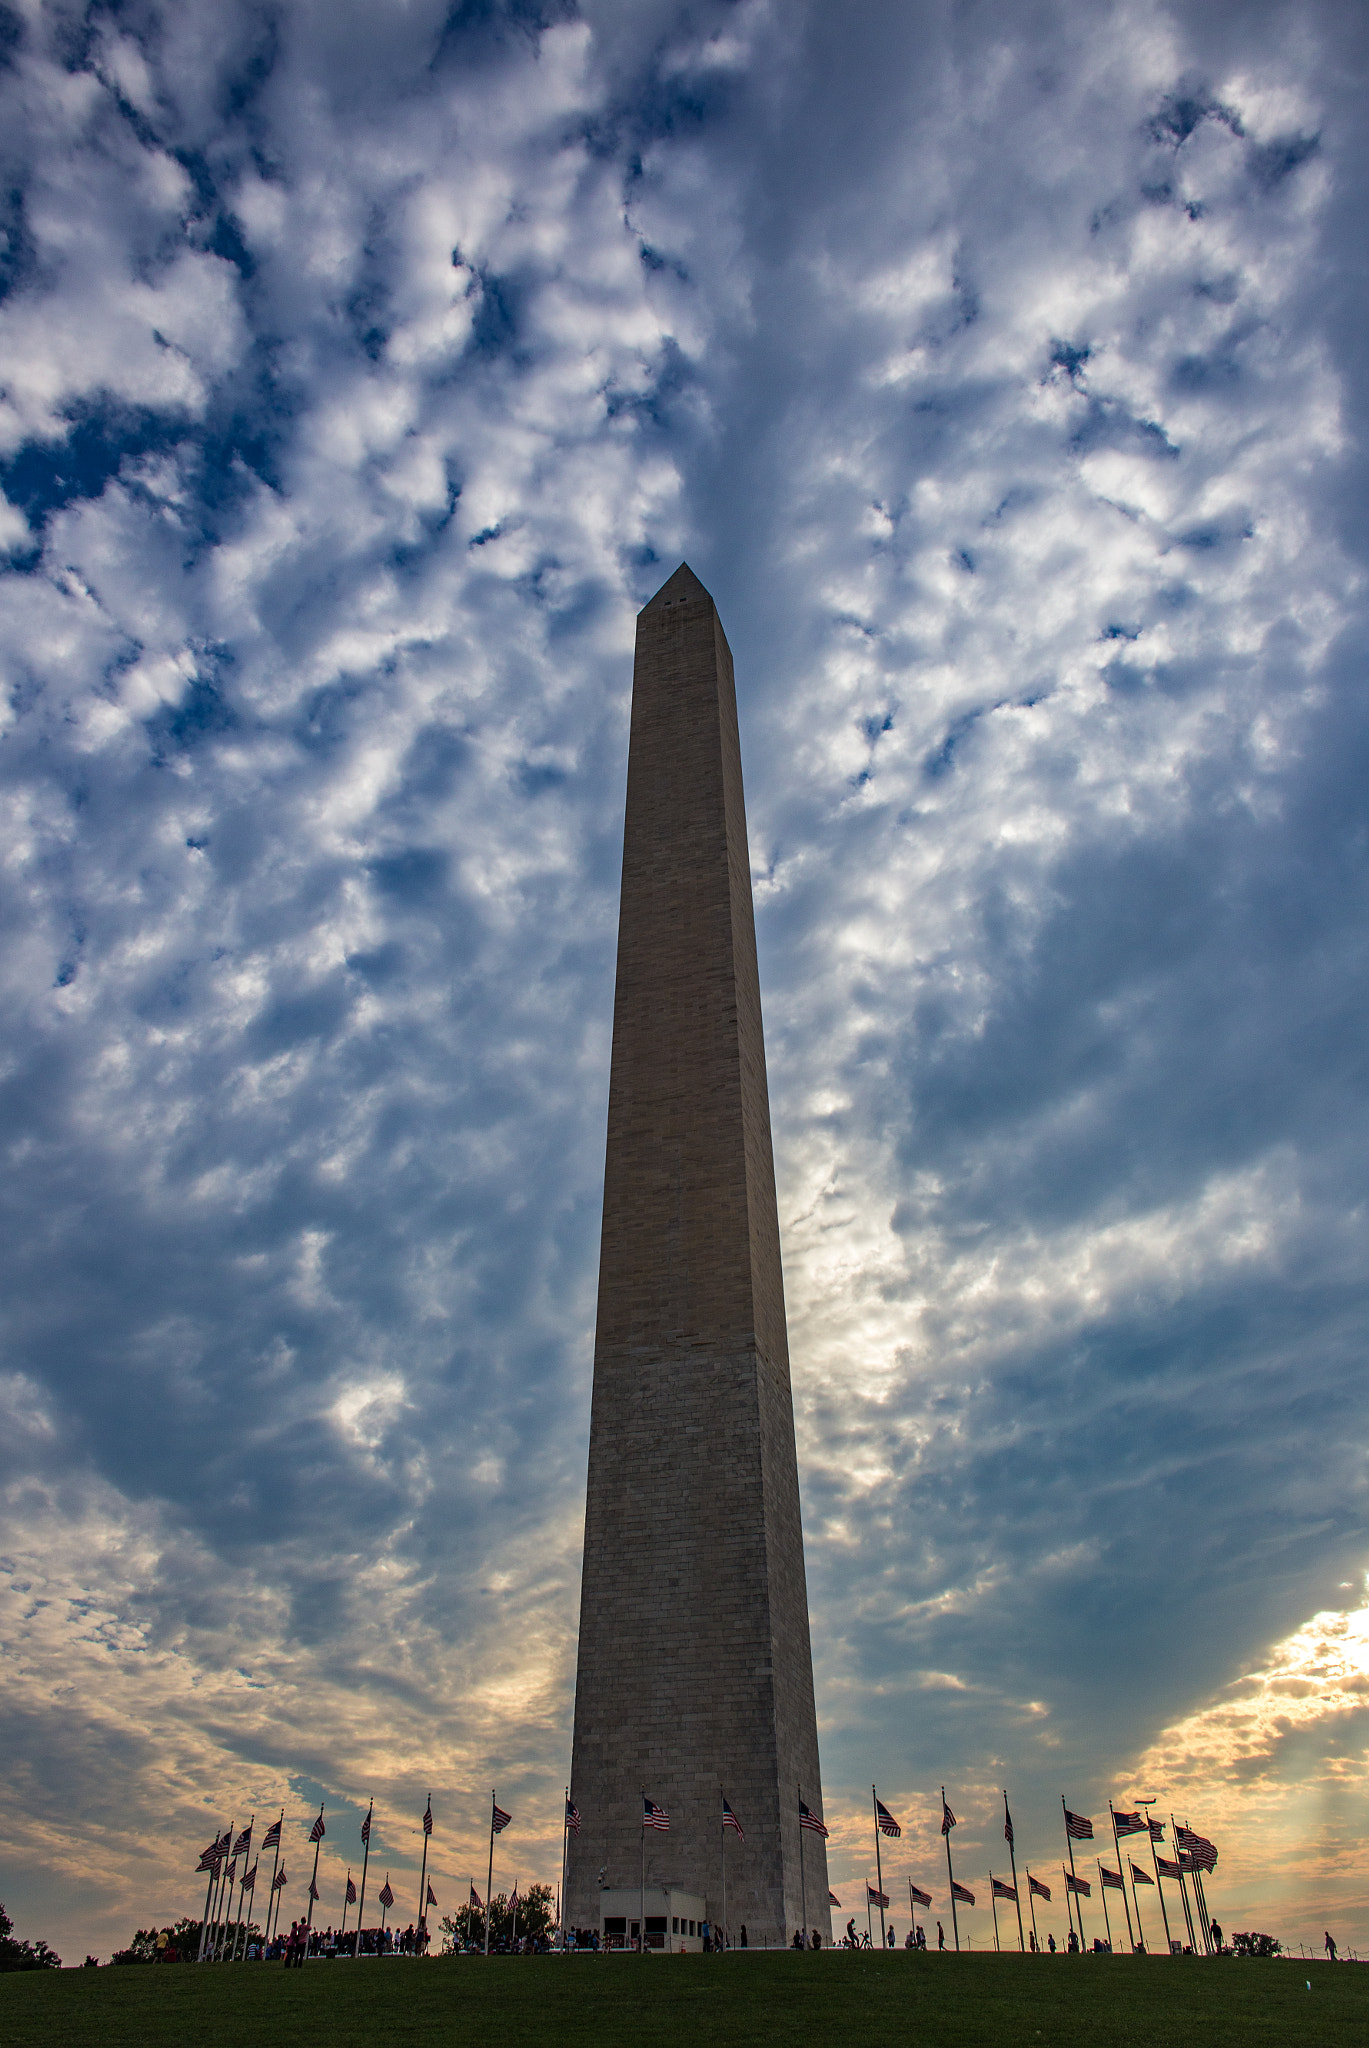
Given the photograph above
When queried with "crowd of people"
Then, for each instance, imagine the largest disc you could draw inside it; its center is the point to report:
(303, 1942)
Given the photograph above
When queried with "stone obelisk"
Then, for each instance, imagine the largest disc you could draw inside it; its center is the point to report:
(695, 1676)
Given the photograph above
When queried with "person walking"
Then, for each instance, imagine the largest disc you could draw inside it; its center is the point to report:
(1330, 1948)
(940, 1936)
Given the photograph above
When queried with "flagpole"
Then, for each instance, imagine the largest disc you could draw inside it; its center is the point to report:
(313, 1882)
(1012, 1855)
(226, 1904)
(1103, 1894)
(365, 1859)
(1145, 1805)
(230, 1924)
(879, 1873)
(1207, 1917)
(1183, 1888)
(1202, 1904)
(237, 1930)
(641, 1880)
(423, 1878)
(241, 1936)
(489, 1879)
(271, 1896)
(993, 1903)
(1200, 1898)
(213, 1874)
(803, 1870)
(722, 1830)
(1069, 1839)
(950, 1874)
(224, 1883)
(1136, 1898)
(565, 1853)
(1031, 1906)
(1122, 1873)
(219, 1868)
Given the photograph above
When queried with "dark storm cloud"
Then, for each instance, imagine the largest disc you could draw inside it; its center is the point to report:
(364, 369)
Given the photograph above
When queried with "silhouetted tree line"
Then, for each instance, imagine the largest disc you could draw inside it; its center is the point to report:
(536, 1922)
(179, 1943)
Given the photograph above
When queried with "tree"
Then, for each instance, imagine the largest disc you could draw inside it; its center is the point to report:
(1255, 1945)
(466, 1927)
(24, 1955)
(182, 1939)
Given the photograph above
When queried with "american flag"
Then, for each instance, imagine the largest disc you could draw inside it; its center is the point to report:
(351, 1898)
(1043, 1891)
(1077, 1827)
(1166, 1868)
(1129, 1823)
(919, 1897)
(249, 1879)
(428, 1816)
(885, 1821)
(279, 1880)
(243, 1839)
(271, 1839)
(232, 1868)
(212, 1857)
(1157, 1830)
(810, 1821)
(1112, 1879)
(730, 1821)
(313, 1889)
(1007, 1822)
(572, 1818)
(876, 1898)
(1141, 1876)
(1203, 1852)
(833, 1900)
(1078, 1884)
(654, 1816)
(432, 1895)
(476, 1905)
(959, 1892)
(366, 1824)
(318, 1830)
(1001, 1890)
(499, 1820)
(948, 1819)
(513, 1895)
(387, 1897)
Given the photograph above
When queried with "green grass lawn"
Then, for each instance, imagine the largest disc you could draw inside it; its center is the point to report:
(858, 1999)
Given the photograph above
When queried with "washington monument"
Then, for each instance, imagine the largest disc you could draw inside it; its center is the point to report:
(695, 1677)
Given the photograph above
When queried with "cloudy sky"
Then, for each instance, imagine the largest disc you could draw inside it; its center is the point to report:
(1002, 370)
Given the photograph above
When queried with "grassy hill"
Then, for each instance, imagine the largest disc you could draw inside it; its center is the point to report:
(943, 2001)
